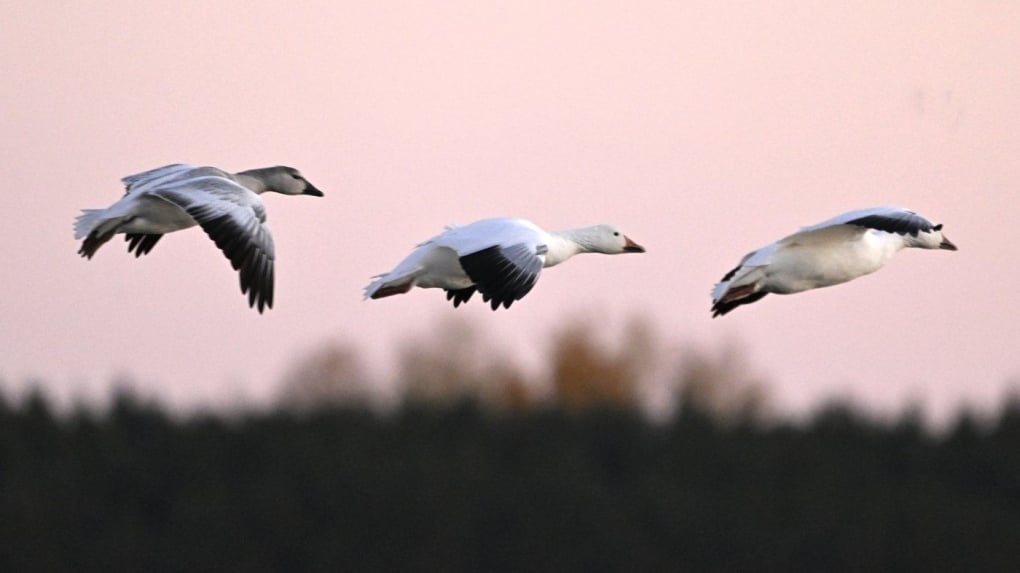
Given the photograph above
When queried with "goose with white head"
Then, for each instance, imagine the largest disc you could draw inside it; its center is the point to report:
(832, 252)
(500, 258)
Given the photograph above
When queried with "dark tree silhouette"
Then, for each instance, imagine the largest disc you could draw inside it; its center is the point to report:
(461, 488)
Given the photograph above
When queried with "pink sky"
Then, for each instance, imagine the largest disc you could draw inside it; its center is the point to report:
(702, 131)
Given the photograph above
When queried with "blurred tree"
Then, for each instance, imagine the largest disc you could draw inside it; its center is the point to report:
(454, 364)
(328, 376)
(586, 374)
(628, 368)
(720, 385)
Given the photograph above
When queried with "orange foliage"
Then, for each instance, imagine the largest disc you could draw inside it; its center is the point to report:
(454, 363)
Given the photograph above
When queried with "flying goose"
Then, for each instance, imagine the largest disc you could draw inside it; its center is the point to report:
(841, 249)
(501, 258)
(226, 205)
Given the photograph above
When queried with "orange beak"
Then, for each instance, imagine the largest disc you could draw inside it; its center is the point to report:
(630, 246)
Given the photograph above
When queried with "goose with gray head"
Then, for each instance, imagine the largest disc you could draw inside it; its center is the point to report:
(500, 258)
(841, 249)
(226, 205)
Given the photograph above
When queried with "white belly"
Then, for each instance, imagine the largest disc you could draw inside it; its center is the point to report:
(800, 268)
(155, 216)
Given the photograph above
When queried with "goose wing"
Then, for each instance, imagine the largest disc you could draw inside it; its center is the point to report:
(889, 219)
(153, 179)
(168, 174)
(503, 274)
(235, 219)
(503, 257)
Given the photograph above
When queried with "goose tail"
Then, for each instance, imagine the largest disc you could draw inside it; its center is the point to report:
(84, 223)
(385, 286)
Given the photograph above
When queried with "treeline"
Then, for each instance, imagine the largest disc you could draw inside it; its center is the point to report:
(463, 487)
(625, 367)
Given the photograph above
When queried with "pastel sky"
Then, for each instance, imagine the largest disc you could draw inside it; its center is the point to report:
(703, 130)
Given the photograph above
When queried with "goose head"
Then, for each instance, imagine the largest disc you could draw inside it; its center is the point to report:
(282, 179)
(933, 239)
(606, 239)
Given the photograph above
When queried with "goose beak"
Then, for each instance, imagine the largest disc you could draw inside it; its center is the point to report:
(947, 245)
(311, 190)
(630, 246)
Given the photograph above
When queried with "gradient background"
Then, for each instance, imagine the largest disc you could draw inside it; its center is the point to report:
(703, 131)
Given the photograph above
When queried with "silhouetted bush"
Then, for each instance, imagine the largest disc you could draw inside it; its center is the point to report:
(463, 488)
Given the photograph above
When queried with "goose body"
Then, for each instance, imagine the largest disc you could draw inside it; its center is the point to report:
(501, 258)
(835, 251)
(226, 205)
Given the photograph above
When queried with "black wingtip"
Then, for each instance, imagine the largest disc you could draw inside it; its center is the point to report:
(253, 265)
(92, 243)
(460, 296)
(141, 244)
(262, 305)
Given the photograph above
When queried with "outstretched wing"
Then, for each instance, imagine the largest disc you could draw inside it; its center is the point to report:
(889, 219)
(166, 175)
(503, 274)
(235, 220)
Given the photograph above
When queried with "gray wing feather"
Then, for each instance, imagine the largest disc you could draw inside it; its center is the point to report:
(234, 219)
(503, 274)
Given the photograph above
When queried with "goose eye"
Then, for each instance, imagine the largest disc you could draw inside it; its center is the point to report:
(616, 233)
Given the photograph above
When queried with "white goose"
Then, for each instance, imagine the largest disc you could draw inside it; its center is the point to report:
(500, 258)
(832, 252)
(226, 205)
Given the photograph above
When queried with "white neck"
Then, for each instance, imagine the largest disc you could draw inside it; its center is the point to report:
(883, 246)
(255, 184)
(565, 244)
